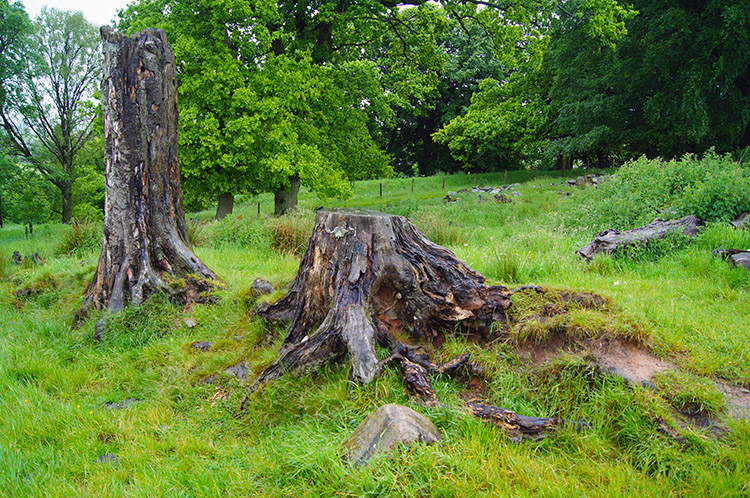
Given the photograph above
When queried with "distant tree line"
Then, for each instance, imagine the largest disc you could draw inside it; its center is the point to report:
(278, 94)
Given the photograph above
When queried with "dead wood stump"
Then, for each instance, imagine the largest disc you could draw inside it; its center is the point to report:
(145, 246)
(367, 276)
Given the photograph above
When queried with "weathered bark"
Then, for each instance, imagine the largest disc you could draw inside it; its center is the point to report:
(66, 193)
(145, 246)
(613, 241)
(369, 275)
(226, 205)
(285, 198)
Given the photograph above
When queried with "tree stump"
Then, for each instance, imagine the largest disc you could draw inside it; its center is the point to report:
(367, 276)
(145, 246)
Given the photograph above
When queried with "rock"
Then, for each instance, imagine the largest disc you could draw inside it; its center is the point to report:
(17, 259)
(742, 221)
(451, 197)
(385, 429)
(463, 190)
(517, 194)
(108, 458)
(736, 257)
(502, 199)
(202, 345)
(240, 370)
(190, 322)
(261, 287)
(120, 405)
(612, 241)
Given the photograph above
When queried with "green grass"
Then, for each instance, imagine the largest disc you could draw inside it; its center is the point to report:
(182, 438)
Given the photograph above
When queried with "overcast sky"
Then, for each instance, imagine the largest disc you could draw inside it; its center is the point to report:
(98, 12)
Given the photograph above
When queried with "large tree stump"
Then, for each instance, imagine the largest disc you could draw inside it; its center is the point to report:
(613, 241)
(367, 275)
(145, 246)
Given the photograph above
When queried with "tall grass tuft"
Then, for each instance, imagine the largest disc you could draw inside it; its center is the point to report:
(440, 230)
(81, 237)
(196, 230)
(290, 233)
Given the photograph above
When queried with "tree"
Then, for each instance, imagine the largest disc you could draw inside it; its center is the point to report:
(677, 82)
(145, 247)
(53, 100)
(510, 121)
(257, 118)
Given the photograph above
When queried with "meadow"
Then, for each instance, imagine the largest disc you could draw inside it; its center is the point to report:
(176, 431)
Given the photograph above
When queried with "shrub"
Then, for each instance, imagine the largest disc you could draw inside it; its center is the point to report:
(290, 233)
(714, 188)
(81, 237)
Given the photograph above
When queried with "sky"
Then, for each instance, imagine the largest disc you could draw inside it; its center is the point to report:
(98, 12)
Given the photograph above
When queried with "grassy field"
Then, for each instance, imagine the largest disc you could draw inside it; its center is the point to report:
(180, 435)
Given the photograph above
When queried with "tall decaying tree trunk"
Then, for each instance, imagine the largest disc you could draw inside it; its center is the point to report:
(285, 198)
(225, 206)
(145, 247)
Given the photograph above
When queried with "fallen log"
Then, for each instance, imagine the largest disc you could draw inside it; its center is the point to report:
(612, 241)
(368, 275)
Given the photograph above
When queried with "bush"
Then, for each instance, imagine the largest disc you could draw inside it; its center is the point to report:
(290, 233)
(715, 188)
(81, 237)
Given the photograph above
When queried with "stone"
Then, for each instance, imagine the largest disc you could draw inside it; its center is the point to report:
(240, 370)
(120, 405)
(385, 429)
(261, 287)
(109, 458)
(202, 345)
(190, 322)
(742, 221)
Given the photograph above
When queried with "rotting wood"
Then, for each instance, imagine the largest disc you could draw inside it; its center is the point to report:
(145, 246)
(613, 241)
(367, 276)
(517, 427)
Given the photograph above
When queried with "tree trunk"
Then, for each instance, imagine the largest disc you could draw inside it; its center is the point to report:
(226, 205)
(2, 215)
(145, 246)
(368, 276)
(66, 192)
(285, 198)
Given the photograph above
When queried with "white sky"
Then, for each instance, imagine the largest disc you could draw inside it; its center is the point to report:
(97, 12)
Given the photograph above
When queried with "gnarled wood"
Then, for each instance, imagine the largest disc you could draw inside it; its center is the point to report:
(613, 241)
(145, 246)
(368, 274)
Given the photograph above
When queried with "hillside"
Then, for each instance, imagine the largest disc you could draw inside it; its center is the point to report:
(152, 409)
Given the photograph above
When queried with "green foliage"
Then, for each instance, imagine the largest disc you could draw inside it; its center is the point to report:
(715, 188)
(49, 119)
